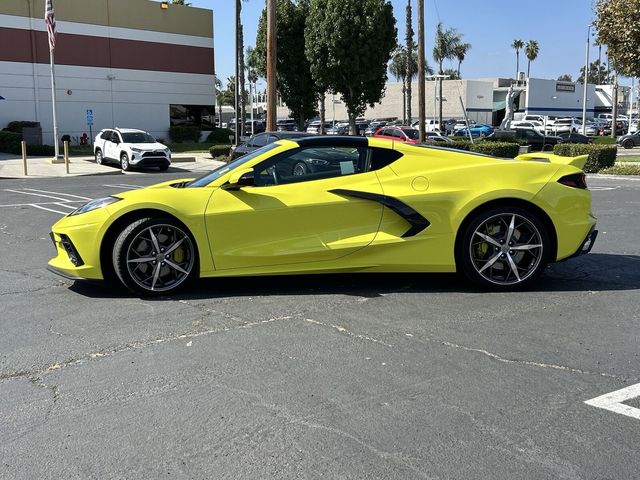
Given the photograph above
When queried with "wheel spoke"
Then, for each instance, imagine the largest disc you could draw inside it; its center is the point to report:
(513, 265)
(154, 240)
(488, 239)
(174, 246)
(156, 275)
(490, 262)
(526, 247)
(175, 266)
(510, 229)
(142, 260)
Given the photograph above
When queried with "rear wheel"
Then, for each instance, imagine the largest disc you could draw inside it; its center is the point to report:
(99, 158)
(154, 256)
(504, 248)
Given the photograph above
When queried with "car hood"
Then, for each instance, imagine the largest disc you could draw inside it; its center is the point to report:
(148, 146)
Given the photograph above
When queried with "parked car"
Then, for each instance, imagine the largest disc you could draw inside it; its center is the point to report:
(621, 128)
(630, 140)
(479, 130)
(373, 127)
(340, 128)
(430, 125)
(314, 127)
(131, 149)
(399, 134)
(460, 124)
(533, 138)
(260, 140)
(287, 125)
(564, 125)
(259, 126)
(574, 138)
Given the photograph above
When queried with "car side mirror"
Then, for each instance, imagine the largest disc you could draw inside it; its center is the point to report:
(241, 178)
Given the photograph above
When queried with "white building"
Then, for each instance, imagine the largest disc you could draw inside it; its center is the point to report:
(133, 63)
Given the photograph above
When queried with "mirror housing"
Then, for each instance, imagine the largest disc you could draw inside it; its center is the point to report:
(241, 178)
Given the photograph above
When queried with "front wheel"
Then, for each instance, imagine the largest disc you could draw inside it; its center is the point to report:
(155, 256)
(163, 168)
(504, 248)
(124, 162)
(628, 144)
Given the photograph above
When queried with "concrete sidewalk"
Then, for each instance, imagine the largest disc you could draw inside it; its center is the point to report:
(41, 167)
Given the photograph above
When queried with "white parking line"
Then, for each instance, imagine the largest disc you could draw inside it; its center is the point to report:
(58, 193)
(66, 205)
(39, 203)
(48, 209)
(37, 195)
(123, 185)
(613, 401)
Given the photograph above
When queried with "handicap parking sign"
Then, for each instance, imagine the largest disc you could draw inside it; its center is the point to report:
(89, 117)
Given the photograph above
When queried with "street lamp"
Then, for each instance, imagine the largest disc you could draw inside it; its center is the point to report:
(435, 94)
(584, 84)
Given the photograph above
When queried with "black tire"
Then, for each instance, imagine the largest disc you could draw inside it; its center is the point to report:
(163, 168)
(491, 264)
(99, 157)
(299, 169)
(124, 162)
(142, 269)
(628, 144)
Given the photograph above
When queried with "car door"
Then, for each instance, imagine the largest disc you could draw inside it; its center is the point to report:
(112, 146)
(288, 218)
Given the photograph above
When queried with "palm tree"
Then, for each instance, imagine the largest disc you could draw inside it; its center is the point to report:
(398, 69)
(460, 51)
(531, 49)
(444, 48)
(517, 45)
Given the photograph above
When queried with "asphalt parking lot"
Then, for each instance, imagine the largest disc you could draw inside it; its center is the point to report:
(334, 376)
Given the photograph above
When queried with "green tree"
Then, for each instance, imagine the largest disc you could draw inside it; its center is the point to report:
(531, 50)
(517, 45)
(444, 49)
(349, 44)
(398, 69)
(295, 83)
(451, 73)
(460, 51)
(566, 78)
(618, 25)
(598, 74)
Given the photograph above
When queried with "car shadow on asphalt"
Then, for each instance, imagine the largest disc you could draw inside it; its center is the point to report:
(593, 272)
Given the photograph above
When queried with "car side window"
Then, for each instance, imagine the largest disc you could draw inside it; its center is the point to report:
(259, 140)
(311, 163)
(397, 133)
(115, 138)
(106, 135)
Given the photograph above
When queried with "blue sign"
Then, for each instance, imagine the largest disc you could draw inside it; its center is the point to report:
(89, 117)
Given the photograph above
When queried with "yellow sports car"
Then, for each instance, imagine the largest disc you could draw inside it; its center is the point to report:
(337, 204)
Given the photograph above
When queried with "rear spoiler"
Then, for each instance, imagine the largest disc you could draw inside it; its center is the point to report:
(578, 161)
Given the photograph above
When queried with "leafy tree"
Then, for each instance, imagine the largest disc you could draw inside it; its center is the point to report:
(398, 69)
(618, 24)
(349, 44)
(598, 74)
(565, 78)
(460, 51)
(226, 96)
(451, 73)
(531, 49)
(517, 45)
(295, 83)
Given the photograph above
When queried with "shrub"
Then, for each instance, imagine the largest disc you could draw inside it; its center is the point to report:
(220, 151)
(41, 150)
(456, 144)
(497, 149)
(626, 169)
(10, 142)
(509, 139)
(17, 126)
(184, 133)
(604, 140)
(220, 135)
(600, 156)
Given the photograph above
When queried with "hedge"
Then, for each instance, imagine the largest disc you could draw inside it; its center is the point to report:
(492, 148)
(600, 156)
(17, 126)
(220, 135)
(10, 142)
(220, 151)
(184, 133)
(602, 140)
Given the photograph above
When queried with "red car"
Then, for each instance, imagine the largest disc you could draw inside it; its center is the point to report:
(399, 134)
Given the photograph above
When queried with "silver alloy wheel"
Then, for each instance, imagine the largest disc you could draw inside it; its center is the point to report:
(506, 249)
(124, 162)
(160, 258)
(99, 157)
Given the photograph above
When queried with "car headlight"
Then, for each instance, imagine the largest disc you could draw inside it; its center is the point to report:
(95, 204)
(136, 150)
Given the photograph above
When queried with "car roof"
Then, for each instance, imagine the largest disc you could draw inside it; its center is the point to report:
(288, 134)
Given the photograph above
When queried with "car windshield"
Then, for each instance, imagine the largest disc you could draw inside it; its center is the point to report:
(227, 167)
(137, 137)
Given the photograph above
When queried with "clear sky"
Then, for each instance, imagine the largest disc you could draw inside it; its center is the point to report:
(490, 26)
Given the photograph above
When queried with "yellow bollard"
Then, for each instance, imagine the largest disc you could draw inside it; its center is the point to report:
(24, 157)
(66, 155)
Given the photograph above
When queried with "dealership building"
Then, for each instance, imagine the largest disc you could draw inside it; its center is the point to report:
(122, 63)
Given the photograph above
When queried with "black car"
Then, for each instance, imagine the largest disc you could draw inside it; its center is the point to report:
(288, 125)
(536, 140)
(574, 138)
(629, 141)
(261, 139)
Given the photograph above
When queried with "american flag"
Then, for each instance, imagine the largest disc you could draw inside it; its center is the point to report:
(50, 20)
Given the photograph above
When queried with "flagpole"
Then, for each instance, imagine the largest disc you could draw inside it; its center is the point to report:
(53, 103)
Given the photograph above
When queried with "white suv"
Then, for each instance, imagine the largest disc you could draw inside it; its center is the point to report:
(130, 148)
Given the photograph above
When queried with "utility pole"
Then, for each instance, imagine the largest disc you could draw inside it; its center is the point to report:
(614, 120)
(272, 26)
(421, 79)
(584, 85)
(409, 72)
(236, 89)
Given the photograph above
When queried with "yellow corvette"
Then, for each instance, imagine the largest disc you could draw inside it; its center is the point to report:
(337, 204)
